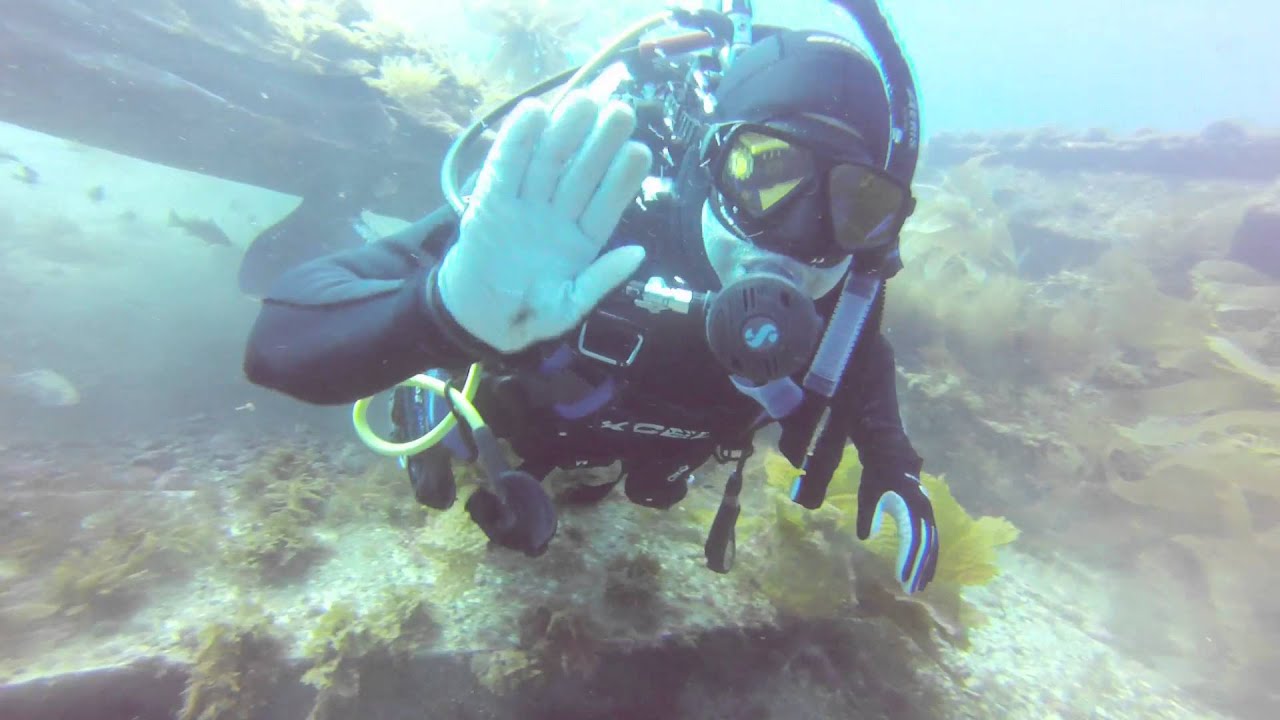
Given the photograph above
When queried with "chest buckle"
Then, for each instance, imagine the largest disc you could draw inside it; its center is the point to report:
(610, 339)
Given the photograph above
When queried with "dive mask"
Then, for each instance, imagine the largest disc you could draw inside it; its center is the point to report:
(779, 192)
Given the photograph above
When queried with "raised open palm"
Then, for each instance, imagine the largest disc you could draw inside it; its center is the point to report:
(527, 264)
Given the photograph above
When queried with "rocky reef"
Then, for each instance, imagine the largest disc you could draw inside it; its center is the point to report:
(292, 581)
(426, 77)
(1089, 329)
(1224, 151)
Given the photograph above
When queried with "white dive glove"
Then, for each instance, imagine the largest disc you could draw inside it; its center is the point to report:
(525, 267)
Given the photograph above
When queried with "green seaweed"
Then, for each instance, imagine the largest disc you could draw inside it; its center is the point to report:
(809, 572)
(112, 559)
(235, 669)
(967, 554)
(99, 556)
(279, 499)
(344, 642)
(455, 547)
(276, 549)
(506, 671)
(805, 574)
(632, 588)
(337, 642)
(556, 639)
(380, 494)
(419, 76)
(563, 637)
(532, 37)
(431, 89)
(106, 579)
(1128, 402)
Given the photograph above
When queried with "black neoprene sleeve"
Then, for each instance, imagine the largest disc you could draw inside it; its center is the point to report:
(870, 397)
(349, 325)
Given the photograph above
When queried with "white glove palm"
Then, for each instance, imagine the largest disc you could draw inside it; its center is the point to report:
(551, 192)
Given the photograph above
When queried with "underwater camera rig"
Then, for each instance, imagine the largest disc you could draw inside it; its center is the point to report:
(670, 82)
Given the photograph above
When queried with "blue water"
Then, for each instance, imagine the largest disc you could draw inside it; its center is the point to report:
(1174, 65)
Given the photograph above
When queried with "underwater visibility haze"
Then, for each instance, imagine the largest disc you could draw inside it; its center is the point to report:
(1085, 328)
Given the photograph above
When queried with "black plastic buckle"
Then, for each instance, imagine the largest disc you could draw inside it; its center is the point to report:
(630, 335)
(727, 454)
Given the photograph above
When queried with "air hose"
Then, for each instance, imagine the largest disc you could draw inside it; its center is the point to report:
(462, 400)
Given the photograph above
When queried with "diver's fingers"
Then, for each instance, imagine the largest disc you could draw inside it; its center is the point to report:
(571, 121)
(602, 276)
(508, 162)
(922, 544)
(931, 557)
(620, 185)
(613, 127)
(911, 543)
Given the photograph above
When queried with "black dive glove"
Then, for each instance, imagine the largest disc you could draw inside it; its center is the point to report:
(902, 496)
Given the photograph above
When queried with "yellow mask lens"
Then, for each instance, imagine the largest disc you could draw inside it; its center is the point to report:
(760, 171)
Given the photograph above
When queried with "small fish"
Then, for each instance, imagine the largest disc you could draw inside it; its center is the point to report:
(26, 174)
(206, 230)
(44, 387)
(97, 193)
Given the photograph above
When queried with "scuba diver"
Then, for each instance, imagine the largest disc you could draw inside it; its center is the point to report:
(643, 282)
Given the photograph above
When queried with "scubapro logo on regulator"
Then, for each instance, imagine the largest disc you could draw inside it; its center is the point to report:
(760, 334)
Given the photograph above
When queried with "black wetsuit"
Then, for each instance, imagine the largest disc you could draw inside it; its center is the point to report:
(355, 323)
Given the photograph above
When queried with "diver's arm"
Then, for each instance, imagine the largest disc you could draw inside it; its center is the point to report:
(354, 323)
(871, 397)
(526, 267)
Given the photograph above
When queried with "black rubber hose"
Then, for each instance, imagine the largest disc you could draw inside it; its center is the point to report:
(904, 104)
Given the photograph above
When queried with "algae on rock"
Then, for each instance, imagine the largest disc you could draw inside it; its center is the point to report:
(532, 37)
(235, 669)
(344, 642)
(119, 554)
(563, 637)
(455, 546)
(1126, 407)
(632, 588)
(379, 495)
(809, 571)
(431, 90)
(279, 499)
